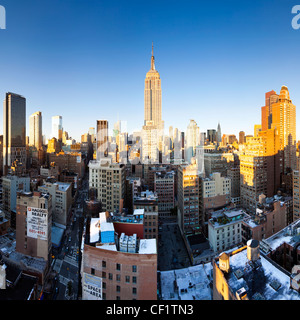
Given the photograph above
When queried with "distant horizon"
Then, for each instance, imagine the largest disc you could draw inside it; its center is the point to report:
(88, 62)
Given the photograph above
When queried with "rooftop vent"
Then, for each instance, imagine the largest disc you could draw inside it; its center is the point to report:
(275, 284)
(238, 273)
(258, 296)
(264, 246)
(241, 294)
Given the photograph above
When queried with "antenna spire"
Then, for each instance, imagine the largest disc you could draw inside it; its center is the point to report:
(152, 59)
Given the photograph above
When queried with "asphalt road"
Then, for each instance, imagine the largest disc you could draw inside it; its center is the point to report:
(67, 262)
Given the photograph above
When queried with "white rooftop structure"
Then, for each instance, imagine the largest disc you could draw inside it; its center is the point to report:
(94, 230)
(107, 246)
(138, 212)
(147, 246)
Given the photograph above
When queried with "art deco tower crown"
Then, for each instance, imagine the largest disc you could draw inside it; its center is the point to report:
(153, 95)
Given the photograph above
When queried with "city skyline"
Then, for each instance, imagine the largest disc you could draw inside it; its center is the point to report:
(54, 79)
(149, 152)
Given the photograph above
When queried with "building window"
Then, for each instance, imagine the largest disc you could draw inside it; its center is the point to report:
(92, 271)
(134, 290)
(103, 296)
(110, 276)
(118, 267)
(103, 275)
(104, 285)
(127, 279)
(118, 277)
(103, 264)
(133, 279)
(118, 289)
(134, 268)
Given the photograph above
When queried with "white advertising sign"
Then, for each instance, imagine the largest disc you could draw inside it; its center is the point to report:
(92, 287)
(37, 223)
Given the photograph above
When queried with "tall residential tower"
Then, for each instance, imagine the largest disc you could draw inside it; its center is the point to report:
(35, 130)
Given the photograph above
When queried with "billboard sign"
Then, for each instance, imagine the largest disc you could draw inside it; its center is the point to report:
(37, 223)
(92, 287)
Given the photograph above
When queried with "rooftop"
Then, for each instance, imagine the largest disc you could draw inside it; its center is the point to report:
(227, 216)
(289, 235)
(146, 195)
(99, 227)
(190, 283)
(62, 186)
(262, 280)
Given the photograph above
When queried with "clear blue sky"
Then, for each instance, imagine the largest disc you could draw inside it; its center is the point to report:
(87, 59)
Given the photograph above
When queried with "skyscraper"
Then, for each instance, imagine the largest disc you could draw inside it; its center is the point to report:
(192, 140)
(266, 111)
(153, 96)
(284, 120)
(241, 137)
(35, 130)
(152, 133)
(57, 128)
(280, 114)
(14, 130)
(219, 134)
(102, 139)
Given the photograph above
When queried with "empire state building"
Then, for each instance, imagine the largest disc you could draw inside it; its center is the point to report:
(152, 132)
(153, 96)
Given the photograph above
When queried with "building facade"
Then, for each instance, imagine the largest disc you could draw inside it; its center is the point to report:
(189, 219)
(215, 193)
(34, 222)
(225, 229)
(61, 197)
(113, 270)
(109, 180)
(164, 186)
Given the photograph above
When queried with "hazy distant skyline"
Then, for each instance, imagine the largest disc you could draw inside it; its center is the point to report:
(87, 60)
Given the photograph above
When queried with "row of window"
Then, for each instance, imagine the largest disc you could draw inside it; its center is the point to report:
(118, 277)
(118, 289)
(118, 267)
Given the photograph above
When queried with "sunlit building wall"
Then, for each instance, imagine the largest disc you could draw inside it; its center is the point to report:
(189, 219)
(284, 120)
(35, 130)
